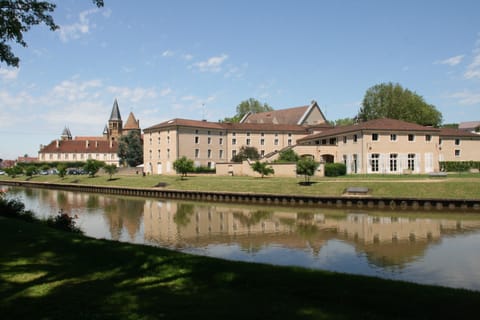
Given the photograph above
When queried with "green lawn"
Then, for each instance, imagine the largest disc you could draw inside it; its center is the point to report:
(49, 274)
(463, 186)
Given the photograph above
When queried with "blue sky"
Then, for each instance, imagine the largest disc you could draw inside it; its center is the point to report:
(200, 59)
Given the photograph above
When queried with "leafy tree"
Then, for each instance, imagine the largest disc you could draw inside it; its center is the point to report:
(130, 149)
(14, 171)
(450, 125)
(288, 155)
(246, 153)
(110, 169)
(183, 166)
(388, 100)
(17, 17)
(344, 122)
(92, 166)
(262, 168)
(306, 166)
(62, 169)
(30, 171)
(250, 105)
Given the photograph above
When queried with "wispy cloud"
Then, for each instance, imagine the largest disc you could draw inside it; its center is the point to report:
(213, 64)
(466, 97)
(9, 74)
(80, 27)
(473, 69)
(133, 95)
(168, 53)
(452, 61)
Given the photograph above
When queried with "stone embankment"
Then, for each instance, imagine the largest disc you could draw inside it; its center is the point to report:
(344, 201)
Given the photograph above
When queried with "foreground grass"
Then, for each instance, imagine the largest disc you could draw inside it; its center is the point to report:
(48, 274)
(463, 186)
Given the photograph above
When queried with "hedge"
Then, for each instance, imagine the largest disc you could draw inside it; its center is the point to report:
(458, 166)
(335, 169)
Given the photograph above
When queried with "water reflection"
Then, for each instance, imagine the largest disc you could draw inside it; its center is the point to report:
(416, 247)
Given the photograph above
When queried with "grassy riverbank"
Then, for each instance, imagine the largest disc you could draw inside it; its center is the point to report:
(462, 186)
(49, 274)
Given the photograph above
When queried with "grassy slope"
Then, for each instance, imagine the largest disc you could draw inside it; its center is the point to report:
(465, 186)
(47, 274)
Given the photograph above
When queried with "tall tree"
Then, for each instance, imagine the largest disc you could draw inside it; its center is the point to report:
(250, 105)
(388, 100)
(183, 166)
(246, 153)
(17, 17)
(130, 149)
(307, 166)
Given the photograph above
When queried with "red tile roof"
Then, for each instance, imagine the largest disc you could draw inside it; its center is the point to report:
(451, 132)
(384, 124)
(80, 146)
(226, 126)
(285, 116)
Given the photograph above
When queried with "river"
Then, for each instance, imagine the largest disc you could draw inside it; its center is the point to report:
(428, 247)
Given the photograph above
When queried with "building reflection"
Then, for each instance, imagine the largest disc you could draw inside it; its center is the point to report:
(387, 239)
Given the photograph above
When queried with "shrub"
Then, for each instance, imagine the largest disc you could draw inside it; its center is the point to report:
(63, 221)
(459, 166)
(13, 208)
(335, 169)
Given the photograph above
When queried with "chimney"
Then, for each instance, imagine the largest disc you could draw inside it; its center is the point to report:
(87, 144)
(58, 143)
(111, 144)
(96, 143)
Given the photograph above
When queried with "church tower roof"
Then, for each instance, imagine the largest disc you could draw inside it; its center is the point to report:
(131, 123)
(66, 134)
(115, 112)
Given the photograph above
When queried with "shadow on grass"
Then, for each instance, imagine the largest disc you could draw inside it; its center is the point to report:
(306, 183)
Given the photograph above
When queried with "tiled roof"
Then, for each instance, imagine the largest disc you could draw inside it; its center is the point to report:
(84, 138)
(226, 126)
(384, 124)
(80, 146)
(285, 116)
(131, 123)
(469, 125)
(115, 115)
(451, 132)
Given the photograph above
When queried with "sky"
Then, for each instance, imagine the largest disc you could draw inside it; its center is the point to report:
(198, 59)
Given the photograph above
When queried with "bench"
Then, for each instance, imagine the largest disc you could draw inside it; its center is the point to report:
(357, 190)
(437, 174)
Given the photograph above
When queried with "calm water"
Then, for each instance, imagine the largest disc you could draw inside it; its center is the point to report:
(424, 247)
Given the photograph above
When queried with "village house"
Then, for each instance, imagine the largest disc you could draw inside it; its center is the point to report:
(102, 148)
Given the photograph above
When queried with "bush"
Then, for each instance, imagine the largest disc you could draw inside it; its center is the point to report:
(458, 166)
(63, 221)
(204, 169)
(13, 208)
(335, 169)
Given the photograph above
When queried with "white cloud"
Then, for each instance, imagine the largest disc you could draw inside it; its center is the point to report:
(168, 53)
(73, 90)
(473, 69)
(165, 92)
(187, 57)
(9, 74)
(466, 97)
(79, 28)
(133, 95)
(452, 61)
(213, 64)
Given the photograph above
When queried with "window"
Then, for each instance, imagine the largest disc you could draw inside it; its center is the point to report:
(158, 153)
(457, 153)
(262, 153)
(209, 153)
(411, 137)
(234, 153)
(411, 161)
(393, 162)
(234, 134)
(220, 154)
(196, 131)
(197, 153)
(221, 133)
(333, 141)
(248, 142)
(248, 134)
(440, 141)
(374, 162)
(324, 141)
(374, 136)
(393, 137)
(289, 134)
(168, 153)
(457, 142)
(275, 142)
(428, 138)
(150, 154)
(355, 138)
(345, 160)
(289, 141)
(262, 142)
(208, 132)
(220, 141)
(234, 141)
(344, 139)
(262, 134)
(197, 140)
(158, 139)
(209, 140)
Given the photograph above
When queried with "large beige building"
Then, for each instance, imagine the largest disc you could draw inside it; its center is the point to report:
(391, 146)
(208, 143)
(102, 148)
